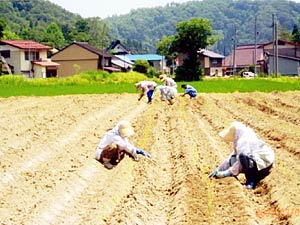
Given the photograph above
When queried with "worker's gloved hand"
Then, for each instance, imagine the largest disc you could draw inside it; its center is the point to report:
(213, 173)
(142, 152)
(221, 174)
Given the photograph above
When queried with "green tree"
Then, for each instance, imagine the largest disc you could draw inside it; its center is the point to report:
(81, 31)
(9, 35)
(53, 36)
(192, 36)
(98, 32)
(3, 25)
(295, 34)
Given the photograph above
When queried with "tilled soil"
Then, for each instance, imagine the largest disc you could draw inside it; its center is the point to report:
(49, 175)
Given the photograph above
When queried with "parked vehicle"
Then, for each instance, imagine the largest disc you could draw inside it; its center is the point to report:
(248, 74)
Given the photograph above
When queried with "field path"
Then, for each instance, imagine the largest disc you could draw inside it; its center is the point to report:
(49, 175)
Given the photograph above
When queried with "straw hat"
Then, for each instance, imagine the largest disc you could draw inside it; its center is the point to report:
(228, 133)
(138, 85)
(125, 129)
(162, 77)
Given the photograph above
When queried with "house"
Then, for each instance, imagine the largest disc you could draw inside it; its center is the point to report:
(120, 51)
(156, 61)
(28, 58)
(117, 48)
(288, 58)
(122, 62)
(210, 62)
(79, 57)
(244, 56)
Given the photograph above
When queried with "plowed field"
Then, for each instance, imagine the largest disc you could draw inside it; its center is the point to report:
(49, 175)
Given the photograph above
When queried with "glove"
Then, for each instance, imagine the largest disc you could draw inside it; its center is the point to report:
(142, 152)
(220, 174)
(213, 173)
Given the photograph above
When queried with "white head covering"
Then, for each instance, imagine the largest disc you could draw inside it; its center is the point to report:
(125, 129)
(228, 133)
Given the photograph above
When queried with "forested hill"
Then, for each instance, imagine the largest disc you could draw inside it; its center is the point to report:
(148, 25)
(141, 29)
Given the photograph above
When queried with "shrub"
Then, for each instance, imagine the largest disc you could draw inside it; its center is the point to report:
(141, 66)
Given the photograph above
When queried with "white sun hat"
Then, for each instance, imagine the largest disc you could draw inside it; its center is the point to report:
(228, 133)
(125, 129)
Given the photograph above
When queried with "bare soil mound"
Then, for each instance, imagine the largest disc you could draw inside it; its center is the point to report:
(49, 175)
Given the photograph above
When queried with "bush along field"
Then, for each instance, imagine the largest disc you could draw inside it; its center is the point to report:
(109, 83)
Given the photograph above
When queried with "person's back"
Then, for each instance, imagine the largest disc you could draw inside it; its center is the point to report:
(189, 90)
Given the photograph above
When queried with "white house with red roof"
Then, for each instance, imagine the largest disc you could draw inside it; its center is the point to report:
(28, 58)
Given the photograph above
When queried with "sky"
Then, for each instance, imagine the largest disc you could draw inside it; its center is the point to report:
(104, 9)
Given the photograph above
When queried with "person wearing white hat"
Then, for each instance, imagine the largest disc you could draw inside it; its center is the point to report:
(168, 93)
(147, 88)
(250, 156)
(115, 145)
(168, 81)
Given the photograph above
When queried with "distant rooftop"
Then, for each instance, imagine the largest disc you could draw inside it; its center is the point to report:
(25, 44)
(150, 57)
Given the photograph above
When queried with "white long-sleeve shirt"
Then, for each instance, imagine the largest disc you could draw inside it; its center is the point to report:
(247, 142)
(167, 91)
(113, 137)
(170, 82)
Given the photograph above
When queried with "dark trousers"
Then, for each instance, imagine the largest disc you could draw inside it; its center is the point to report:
(250, 170)
(149, 95)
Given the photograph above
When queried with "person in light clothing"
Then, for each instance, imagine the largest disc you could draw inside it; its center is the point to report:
(115, 145)
(168, 81)
(147, 88)
(167, 92)
(189, 90)
(250, 156)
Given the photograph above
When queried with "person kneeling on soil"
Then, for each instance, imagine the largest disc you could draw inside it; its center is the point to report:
(115, 145)
(167, 92)
(251, 156)
(189, 90)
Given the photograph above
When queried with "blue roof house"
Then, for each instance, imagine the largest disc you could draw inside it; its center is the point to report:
(157, 61)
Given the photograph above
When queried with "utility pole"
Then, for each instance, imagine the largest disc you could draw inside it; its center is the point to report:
(274, 41)
(276, 49)
(255, 41)
(234, 47)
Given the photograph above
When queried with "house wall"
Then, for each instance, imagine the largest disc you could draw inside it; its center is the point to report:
(15, 58)
(157, 65)
(285, 66)
(39, 72)
(75, 59)
(286, 50)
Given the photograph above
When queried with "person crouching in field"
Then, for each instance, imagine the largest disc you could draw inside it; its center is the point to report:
(250, 156)
(147, 88)
(115, 145)
(189, 90)
(167, 92)
(168, 81)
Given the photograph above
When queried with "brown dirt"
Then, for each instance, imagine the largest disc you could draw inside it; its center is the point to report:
(49, 175)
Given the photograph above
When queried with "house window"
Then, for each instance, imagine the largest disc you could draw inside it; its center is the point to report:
(32, 56)
(214, 61)
(5, 53)
(106, 62)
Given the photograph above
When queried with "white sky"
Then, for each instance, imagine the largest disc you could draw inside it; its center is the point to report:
(103, 9)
